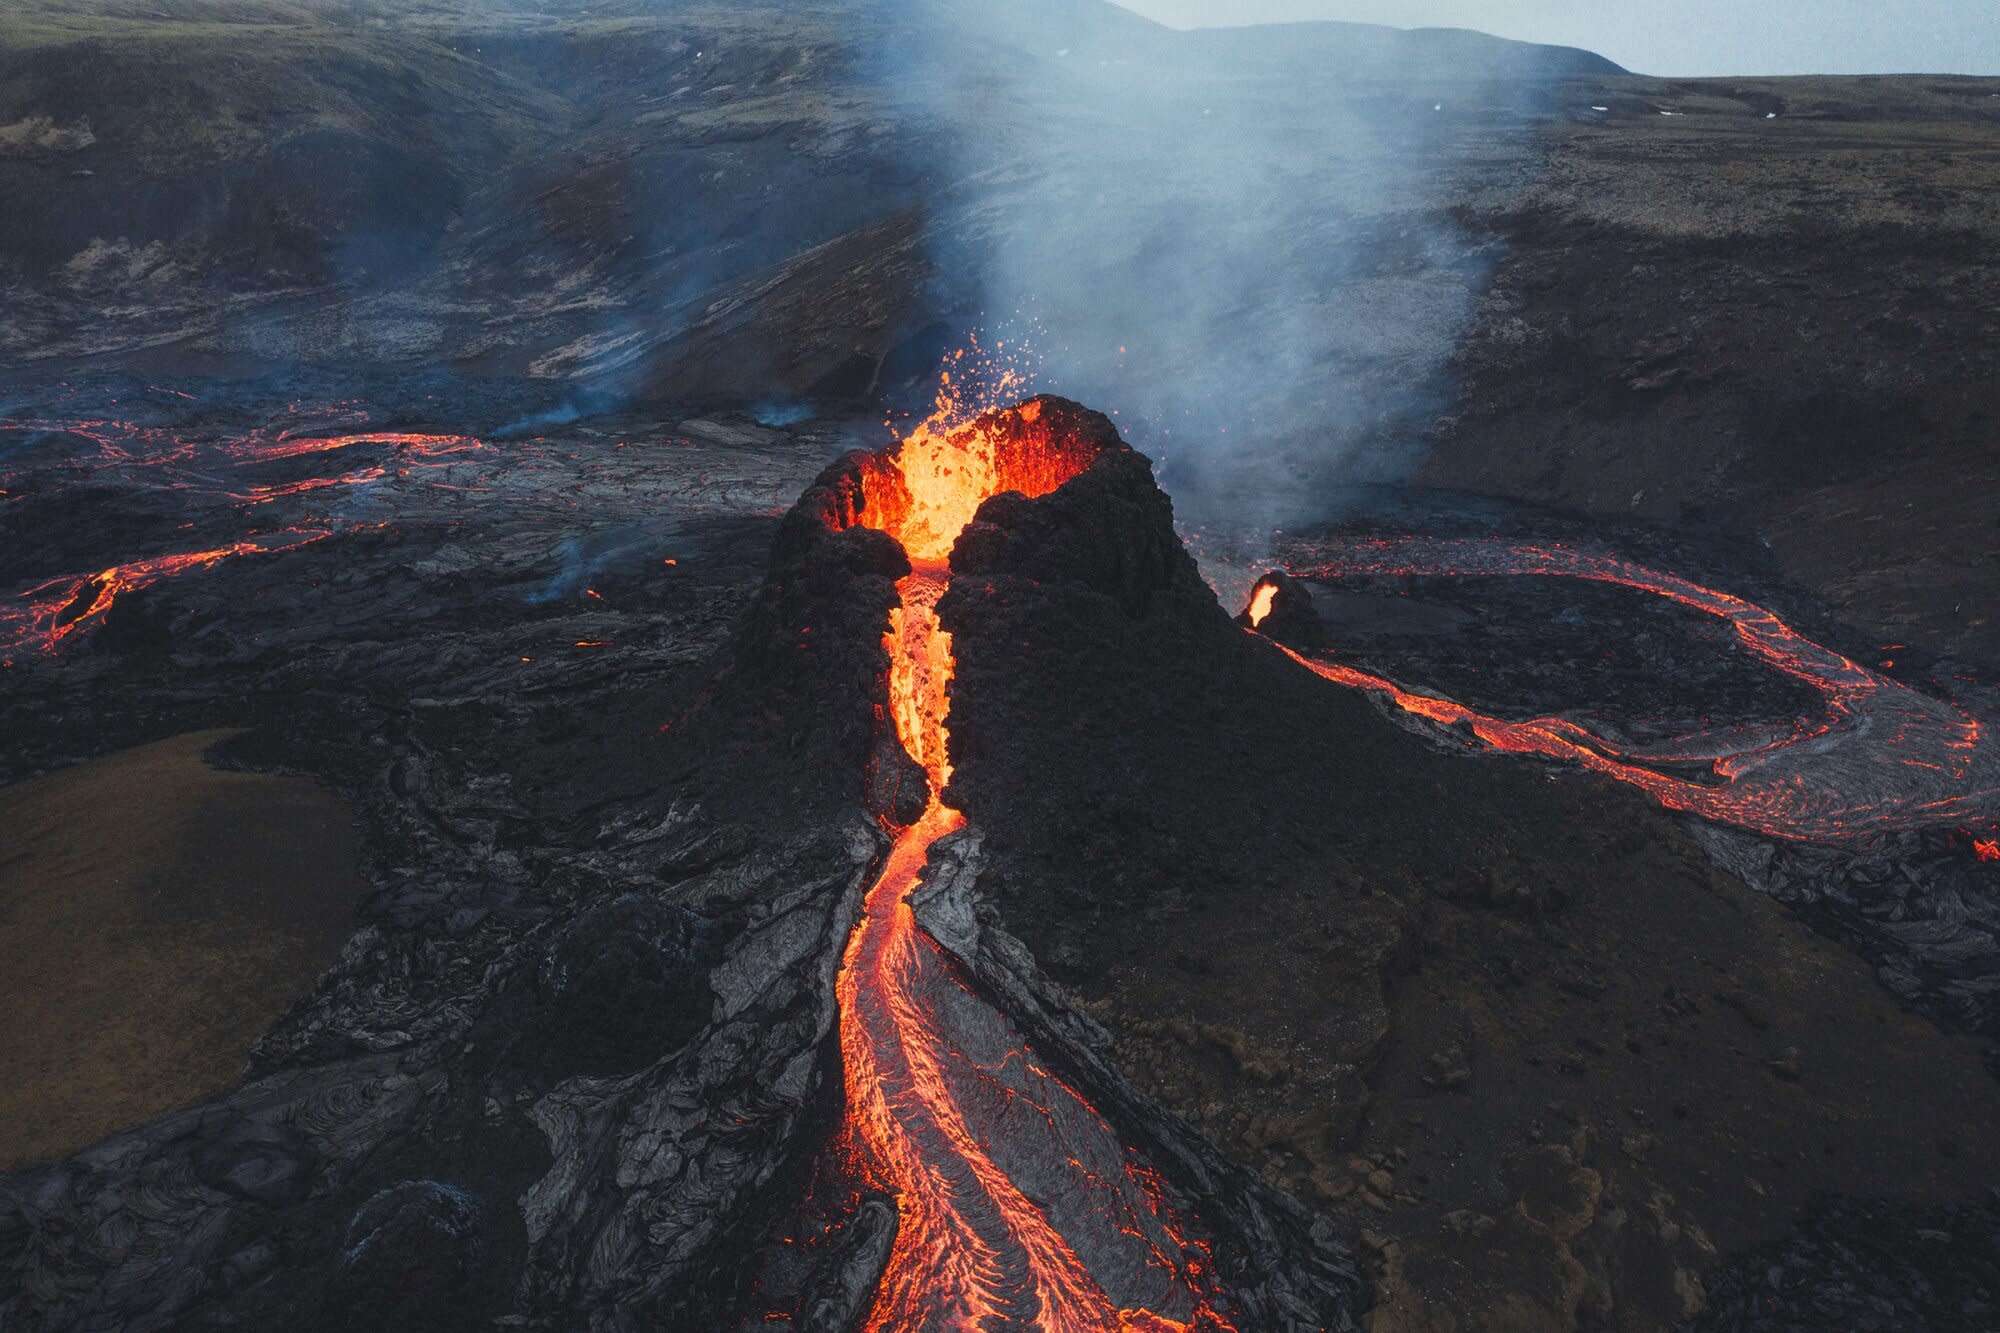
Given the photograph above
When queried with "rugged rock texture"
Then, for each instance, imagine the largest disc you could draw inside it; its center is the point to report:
(1282, 1266)
(1519, 1035)
(580, 1053)
(1866, 1266)
(581, 1027)
(794, 703)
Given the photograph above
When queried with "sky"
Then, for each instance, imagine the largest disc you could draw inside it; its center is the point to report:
(1676, 37)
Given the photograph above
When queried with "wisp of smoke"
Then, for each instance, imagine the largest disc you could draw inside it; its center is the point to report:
(1236, 241)
(581, 559)
(580, 402)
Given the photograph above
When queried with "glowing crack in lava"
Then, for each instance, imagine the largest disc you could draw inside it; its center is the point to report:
(1015, 1196)
(1880, 758)
(46, 614)
(204, 471)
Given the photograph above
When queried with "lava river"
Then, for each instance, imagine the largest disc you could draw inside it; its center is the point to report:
(208, 473)
(1880, 757)
(1019, 1205)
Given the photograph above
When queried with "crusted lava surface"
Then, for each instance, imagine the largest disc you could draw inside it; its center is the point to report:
(583, 1056)
(1303, 982)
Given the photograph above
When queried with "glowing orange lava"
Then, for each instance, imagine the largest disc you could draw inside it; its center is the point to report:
(1261, 598)
(1986, 849)
(1882, 756)
(46, 614)
(973, 1250)
(43, 617)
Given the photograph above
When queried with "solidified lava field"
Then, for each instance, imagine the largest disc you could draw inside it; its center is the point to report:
(829, 938)
(903, 666)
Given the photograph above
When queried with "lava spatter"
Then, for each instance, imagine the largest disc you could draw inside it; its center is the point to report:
(942, 1093)
(1881, 757)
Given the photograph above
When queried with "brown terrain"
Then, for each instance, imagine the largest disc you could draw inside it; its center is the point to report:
(156, 914)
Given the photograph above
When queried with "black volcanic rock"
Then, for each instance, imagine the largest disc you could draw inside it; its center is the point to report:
(1172, 814)
(407, 1261)
(1296, 927)
(1108, 715)
(265, 1163)
(838, 1292)
(627, 982)
(1860, 1264)
(1110, 529)
(790, 716)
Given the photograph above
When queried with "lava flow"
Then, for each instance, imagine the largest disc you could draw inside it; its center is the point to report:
(1881, 758)
(206, 475)
(46, 614)
(946, 1108)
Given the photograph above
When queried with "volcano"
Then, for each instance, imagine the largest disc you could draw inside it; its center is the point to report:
(952, 915)
(1019, 1201)
(582, 751)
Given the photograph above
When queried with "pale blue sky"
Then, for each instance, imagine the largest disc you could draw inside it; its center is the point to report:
(1676, 37)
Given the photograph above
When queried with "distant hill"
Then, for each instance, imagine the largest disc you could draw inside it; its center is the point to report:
(565, 187)
(1429, 53)
(1356, 50)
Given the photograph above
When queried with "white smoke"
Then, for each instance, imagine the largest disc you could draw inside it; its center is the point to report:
(1238, 242)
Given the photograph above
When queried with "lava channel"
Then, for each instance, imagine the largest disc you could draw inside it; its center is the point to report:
(1019, 1205)
(41, 617)
(1880, 758)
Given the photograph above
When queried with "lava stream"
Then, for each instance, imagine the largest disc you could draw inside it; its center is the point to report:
(1882, 757)
(41, 617)
(944, 1103)
(203, 471)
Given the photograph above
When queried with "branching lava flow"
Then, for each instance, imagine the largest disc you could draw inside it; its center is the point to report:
(1881, 756)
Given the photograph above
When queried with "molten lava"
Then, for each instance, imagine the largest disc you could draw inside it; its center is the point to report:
(198, 468)
(930, 1068)
(1261, 598)
(46, 614)
(948, 471)
(1882, 757)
